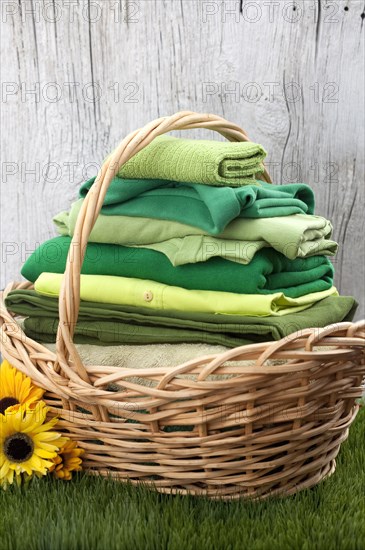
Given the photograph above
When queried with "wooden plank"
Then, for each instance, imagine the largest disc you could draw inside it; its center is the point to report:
(293, 78)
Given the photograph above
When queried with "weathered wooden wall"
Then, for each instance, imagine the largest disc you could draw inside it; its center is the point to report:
(291, 73)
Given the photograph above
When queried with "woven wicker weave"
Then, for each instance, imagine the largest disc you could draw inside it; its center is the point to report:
(216, 425)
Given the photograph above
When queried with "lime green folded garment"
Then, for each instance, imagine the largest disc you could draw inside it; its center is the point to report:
(206, 207)
(299, 235)
(227, 330)
(268, 272)
(198, 161)
(144, 293)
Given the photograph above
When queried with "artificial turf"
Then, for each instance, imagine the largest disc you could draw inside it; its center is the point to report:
(98, 514)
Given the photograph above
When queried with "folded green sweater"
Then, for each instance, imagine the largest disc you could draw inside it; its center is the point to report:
(198, 161)
(128, 324)
(206, 207)
(268, 272)
(299, 235)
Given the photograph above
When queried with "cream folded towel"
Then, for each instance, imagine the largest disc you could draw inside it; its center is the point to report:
(147, 357)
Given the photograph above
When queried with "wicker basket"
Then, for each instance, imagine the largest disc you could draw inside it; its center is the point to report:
(216, 425)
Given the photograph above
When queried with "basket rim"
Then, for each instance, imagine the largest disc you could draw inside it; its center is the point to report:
(299, 350)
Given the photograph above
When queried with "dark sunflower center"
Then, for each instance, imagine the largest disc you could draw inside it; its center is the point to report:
(18, 447)
(6, 402)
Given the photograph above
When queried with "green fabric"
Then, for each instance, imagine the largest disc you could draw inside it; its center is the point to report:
(129, 291)
(223, 328)
(44, 329)
(198, 161)
(206, 207)
(299, 235)
(267, 273)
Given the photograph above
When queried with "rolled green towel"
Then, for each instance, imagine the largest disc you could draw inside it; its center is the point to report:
(229, 330)
(206, 207)
(268, 272)
(296, 236)
(197, 161)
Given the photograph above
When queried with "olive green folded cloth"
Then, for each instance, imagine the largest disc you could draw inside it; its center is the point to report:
(197, 161)
(295, 236)
(44, 329)
(111, 323)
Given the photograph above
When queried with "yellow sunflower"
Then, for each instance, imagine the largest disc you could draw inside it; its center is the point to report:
(27, 444)
(67, 460)
(16, 388)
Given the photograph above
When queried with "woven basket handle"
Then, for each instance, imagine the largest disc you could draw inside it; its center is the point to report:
(69, 300)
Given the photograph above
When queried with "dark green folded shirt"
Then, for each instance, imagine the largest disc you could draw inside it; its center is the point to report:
(267, 273)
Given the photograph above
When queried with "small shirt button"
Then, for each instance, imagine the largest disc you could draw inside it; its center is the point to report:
(148, 296)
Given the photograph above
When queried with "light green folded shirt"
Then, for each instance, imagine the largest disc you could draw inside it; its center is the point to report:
(149, 294)
(295, 236)
(197, 161)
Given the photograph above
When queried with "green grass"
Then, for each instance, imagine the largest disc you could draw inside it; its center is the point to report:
(97, 514)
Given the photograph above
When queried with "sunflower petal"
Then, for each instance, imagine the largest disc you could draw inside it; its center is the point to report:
(42, 453)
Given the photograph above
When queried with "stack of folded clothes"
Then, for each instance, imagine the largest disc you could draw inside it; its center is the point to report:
(191, 246)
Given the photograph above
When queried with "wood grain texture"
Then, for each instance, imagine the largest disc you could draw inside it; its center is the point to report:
(293, 78)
